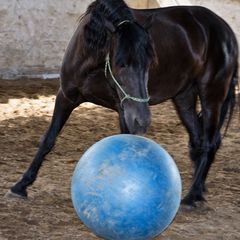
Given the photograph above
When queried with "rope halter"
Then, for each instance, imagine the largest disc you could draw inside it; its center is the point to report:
(126, 96)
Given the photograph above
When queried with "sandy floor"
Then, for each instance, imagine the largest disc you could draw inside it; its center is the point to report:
(25, 112)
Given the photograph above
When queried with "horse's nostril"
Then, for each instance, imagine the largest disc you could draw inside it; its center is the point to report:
(140, 126)
(138, 123)
(142, 122)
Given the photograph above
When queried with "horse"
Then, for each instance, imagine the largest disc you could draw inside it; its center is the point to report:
(126, 60)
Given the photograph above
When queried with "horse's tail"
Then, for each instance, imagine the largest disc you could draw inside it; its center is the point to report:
(230, 101)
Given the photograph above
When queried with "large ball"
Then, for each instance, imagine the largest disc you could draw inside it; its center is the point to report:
(126, 187)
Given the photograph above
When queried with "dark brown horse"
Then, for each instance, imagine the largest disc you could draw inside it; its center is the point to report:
(127, 59)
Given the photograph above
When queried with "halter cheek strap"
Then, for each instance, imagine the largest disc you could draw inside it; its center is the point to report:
(126, 96)
(124, 21)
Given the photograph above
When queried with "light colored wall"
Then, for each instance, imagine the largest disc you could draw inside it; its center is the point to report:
(143, 3)
(166, 3)
(34, 33)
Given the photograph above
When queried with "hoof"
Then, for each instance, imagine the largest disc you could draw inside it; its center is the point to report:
(189, 204)
(188, 201)
(187, 208)
(192, 199)
(199, 206)
(203, 206)
(11, 195)
(19, 190)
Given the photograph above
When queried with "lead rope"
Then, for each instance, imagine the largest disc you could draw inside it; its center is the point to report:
(126, 96)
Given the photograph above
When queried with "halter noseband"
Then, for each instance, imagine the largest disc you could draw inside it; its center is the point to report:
(126, 96)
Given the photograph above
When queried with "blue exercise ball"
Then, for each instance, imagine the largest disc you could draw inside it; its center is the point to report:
(126, 187)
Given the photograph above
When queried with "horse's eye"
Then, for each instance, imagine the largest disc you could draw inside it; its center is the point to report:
(123, 65)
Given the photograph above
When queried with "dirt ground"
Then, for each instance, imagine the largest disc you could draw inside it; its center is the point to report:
(25, 111)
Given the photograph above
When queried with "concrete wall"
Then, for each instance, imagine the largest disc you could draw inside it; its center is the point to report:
(34, 33)
(143, 3)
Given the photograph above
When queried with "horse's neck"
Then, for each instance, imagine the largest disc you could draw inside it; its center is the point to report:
(78, 57)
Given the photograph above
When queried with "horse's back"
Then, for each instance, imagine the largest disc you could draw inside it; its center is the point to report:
(187, 40)
(200, 25)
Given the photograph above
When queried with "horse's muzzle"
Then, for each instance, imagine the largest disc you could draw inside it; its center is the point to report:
(138, 119)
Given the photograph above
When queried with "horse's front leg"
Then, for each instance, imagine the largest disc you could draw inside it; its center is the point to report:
(62, 111)
(186, 107)
(210, 144)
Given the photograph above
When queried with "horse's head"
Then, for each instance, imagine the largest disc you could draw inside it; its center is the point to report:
(127, 66)
(113, 33)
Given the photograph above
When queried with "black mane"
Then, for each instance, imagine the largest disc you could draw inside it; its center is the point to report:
(134, 44)
(114, 11)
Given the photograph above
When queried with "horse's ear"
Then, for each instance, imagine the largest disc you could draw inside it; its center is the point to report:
(109, 26)
(148, 22)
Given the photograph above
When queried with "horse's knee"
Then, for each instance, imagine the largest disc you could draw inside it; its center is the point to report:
(195, 150)
(72, 95)
(47, 143)
(212, 147)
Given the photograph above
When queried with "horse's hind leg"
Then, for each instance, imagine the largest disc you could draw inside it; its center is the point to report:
(62, 111)
(210, 144)
(214, 102)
